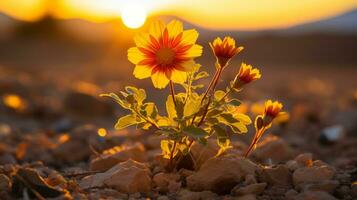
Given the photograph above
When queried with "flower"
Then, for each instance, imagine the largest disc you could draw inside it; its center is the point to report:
(165, 53)
(224, 50)
(246, 75)
(272, 110)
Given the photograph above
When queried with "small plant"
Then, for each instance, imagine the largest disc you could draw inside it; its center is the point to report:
(166, 55)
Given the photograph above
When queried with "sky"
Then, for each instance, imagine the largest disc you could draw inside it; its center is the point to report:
(211, 14)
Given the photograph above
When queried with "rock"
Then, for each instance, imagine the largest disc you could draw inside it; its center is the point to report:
(314, 195)
(246, 197)
(267, 149)
(30, 178)
(127, 177)
(77, 147)
(221, 174)
(304, 159)
(256, 188)
(326, 185)
(279, 175)
(167, 182)
(201, 153)
(292, 165)
(87, 105)
(189, 195)
(250, 179)
(5, 183)
(117, 154)
(7, 158)
(313, 174)
(332, 134)
(163, 198)
(290, 194)
(63, 125)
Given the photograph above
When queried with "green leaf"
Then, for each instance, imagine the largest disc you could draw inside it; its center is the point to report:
(234, 102)
(199, 86)
(139, 94)
(195, 132)
(243, 118)
(143, 125)
(227, 118)
(125, 121)
(150, 110)
(213, 113)
(202, 74)
(239, 127)
(219, 94)
(219, 131)
(192, 105)
(170, 108)
(117, 99)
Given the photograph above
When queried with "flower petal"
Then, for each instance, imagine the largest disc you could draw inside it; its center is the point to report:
(159, 80)
(142, 71)
(175, 27)
(141, 39)
(188, 65)
(156, 29)
(178, 76)
(189, 36)
(194, 51)
(135, 55)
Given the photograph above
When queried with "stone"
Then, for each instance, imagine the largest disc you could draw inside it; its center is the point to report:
(313, 174)
(256, 188)
(189, 195)
(250, 179)
(165, 182)
(304, 159)
(266, 151)
(246, 197)
(314, 195)
(221, 174)
(279, 175)
(77, 147)
(127, 177)
(118, 154)
(201, 153)
(5, 183)
(292, 165)
(326, 185)
(290, 194)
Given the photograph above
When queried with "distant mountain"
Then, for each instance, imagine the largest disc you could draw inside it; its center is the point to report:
(345, 23)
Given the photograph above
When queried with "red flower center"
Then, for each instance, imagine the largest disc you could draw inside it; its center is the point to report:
(165, 56)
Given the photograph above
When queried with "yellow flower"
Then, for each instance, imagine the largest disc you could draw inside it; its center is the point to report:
(224, 50)
(272, 110)
(165, 53)
(246, 75)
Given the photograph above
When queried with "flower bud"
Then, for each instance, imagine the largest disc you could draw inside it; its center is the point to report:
(224, 50)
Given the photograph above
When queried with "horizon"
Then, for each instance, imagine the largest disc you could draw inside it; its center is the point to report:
(34, 10)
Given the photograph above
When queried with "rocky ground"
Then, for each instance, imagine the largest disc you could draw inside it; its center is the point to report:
(57, 142)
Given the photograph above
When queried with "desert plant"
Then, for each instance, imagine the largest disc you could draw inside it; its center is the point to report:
(166, 54)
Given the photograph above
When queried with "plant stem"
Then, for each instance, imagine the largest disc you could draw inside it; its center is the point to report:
(256, 138)
(172, 90)
(172, 156)
(210, 85)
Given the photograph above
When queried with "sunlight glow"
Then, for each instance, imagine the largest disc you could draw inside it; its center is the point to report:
(211, 14)
(133, 15)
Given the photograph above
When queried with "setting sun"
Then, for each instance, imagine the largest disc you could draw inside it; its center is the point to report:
(133, 15)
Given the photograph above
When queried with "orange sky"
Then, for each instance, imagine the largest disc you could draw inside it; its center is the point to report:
(213, 14)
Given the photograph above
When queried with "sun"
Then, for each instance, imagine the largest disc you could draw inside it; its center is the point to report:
(133, 15)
